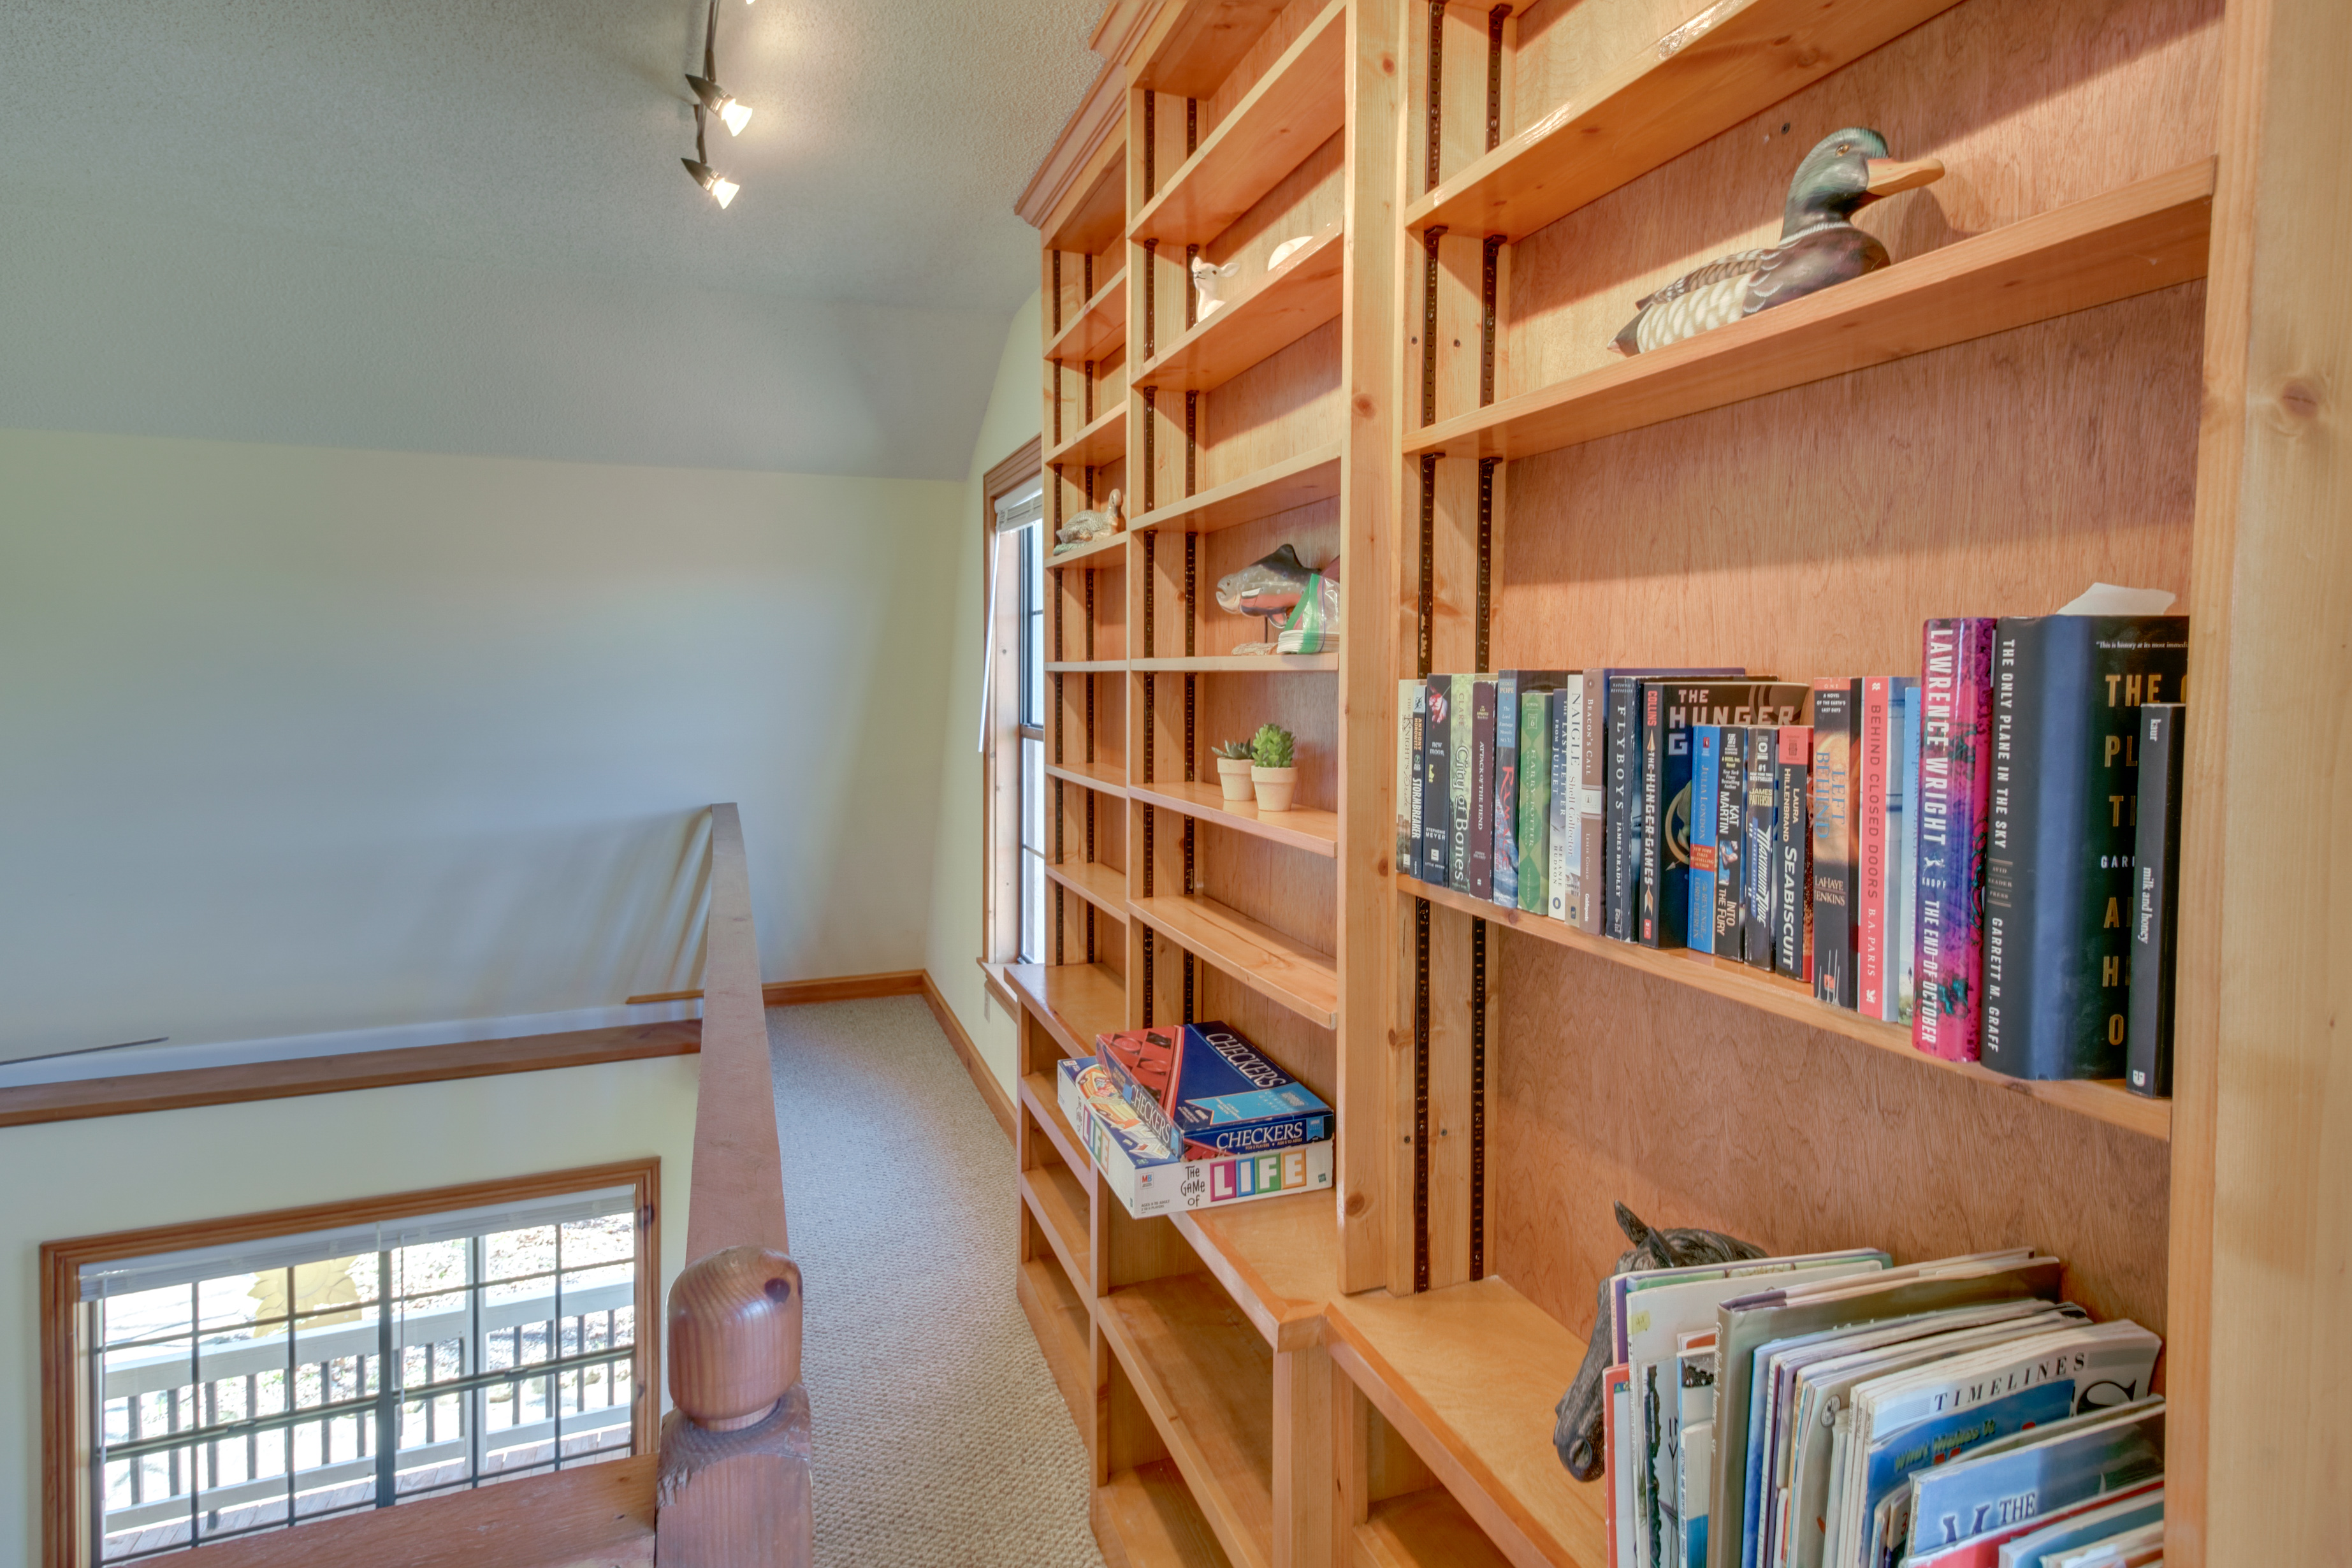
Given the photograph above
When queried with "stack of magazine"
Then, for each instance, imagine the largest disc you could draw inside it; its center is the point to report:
(1189, 1116)
(1838, 1411)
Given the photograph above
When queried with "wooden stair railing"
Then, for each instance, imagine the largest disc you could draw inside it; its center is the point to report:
(735, 1453)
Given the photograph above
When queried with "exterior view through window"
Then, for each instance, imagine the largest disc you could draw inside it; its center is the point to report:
(254, 1386)
(1020, 531)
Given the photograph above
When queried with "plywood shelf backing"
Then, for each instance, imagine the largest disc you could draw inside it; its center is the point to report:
(1204, 1375)
(1299, 105)
(2108, 1101)
(1281, 308)
(1312, 476)
(2148, 235)
(1730, 61)
(1308, 828)
(1099, 326)
(1260, 957)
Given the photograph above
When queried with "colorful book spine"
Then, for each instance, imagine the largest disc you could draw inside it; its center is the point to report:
(1567, 795)
(1536, 710)
(1436, 770)
(1833, 723)
(1902, 849)
(1413, 705)
(1870, 774)
(2058, 876)
(1481, 882)
(1503, 882)
(1622, 870)
(1731, 845)
(1706, 786)
(1670, 706)
(2155, 861)
(1590, 865)
(1954, 788)
(1792, 905)
(1761, 829)
(1461, 759)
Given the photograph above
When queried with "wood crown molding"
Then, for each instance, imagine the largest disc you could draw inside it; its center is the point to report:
(1121, 31)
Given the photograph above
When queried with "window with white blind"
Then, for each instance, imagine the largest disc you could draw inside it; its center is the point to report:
(300, 1371)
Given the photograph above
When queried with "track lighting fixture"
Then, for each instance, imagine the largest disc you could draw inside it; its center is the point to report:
(711, 100)
(717, 100)
(722, 189)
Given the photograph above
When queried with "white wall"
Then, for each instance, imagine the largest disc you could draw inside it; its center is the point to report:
(69, 1179)
(1011, 419)
(296, 740)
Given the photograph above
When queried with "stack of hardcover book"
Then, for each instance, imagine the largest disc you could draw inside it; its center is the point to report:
(1187, 1116)
(1983, 853)
(1838, 1411)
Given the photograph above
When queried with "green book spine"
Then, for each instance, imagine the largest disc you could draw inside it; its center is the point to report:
(1536, 710)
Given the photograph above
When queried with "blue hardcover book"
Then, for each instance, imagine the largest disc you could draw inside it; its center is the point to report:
(2037, 1472)
(1221, 1096)
(1706, 784)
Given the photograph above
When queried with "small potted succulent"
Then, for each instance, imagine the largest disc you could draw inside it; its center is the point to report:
(1274, 773)
(1234, 768)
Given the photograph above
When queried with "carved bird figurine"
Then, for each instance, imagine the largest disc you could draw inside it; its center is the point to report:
(1091, 525)
(1208, 283)
(1819, 246)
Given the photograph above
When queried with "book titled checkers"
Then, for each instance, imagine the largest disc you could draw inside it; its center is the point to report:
(1983, 851)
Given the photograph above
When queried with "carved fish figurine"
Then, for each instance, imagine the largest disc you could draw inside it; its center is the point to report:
(1208, 285)
(1091, 525)
(1271, 586)
(1819, 246)
(1578, 1419)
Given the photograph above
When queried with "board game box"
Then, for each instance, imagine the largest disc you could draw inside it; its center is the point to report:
(1148, 1183)
(1204, 1088)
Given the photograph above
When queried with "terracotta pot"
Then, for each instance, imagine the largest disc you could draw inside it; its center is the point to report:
(1234, 777)
(1273, 786)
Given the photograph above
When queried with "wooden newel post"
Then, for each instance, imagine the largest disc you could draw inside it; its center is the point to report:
(735, 1453)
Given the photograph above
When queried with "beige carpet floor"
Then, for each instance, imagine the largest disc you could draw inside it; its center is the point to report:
(940, 1439)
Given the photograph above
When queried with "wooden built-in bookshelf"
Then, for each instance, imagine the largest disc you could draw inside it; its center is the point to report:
(2110, 347)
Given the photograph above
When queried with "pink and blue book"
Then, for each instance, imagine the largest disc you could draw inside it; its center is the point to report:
(1956, 694)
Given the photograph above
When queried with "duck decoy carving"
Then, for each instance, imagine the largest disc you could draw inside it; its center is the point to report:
(1088, 526)
(1818, 247)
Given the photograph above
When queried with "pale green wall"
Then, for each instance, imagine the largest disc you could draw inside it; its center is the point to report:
(296, 740)
(68, 1179)
(1011, 419)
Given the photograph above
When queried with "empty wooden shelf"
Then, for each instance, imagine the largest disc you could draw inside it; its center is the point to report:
(1469, 1376)
(1074, 1001)
(1425, 1529)
(1108, 778)
(1299, 105)
(2105, 1100)
(1099, 327)
(1278, 1258)
(1243, 663)
(1205, 1376)
(1281, 308)
(1153, 1512)
(1729, 61)
(1060, 1204)
(1311, 477)
(1260, 957)
(1105, 886)
(1308, 828)
(1041, 1096)
(1099, 444)
(2147, 236)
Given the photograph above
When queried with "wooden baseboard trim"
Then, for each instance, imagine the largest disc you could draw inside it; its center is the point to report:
(846, 988)
(982, 1078)
(134, 1092)
(793, 993)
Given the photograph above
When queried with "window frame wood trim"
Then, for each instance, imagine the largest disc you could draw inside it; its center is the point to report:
(64, 1442)
(1025, 463)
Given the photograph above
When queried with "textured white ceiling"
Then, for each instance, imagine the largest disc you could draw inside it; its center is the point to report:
(382, 224)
